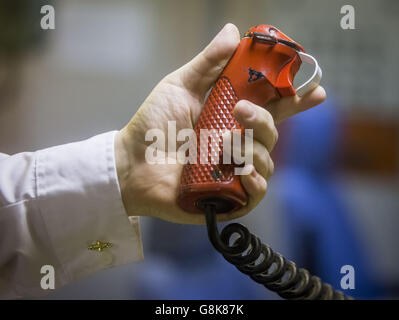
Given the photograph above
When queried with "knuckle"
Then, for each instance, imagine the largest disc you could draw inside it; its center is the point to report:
(261, 153)
(262, 188)
(272, 131)
(265, 155)
(244, 104)
(270, 168)
(275, 136)
(268, 118)
(268, 121)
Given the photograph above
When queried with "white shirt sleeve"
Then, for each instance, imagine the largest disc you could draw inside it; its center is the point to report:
(54, 204)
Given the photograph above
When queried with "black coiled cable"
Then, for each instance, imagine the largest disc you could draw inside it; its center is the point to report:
(265, 266)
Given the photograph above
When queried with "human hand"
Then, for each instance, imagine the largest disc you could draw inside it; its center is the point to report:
(152, 189)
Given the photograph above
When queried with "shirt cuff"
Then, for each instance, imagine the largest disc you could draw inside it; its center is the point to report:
(80, 202)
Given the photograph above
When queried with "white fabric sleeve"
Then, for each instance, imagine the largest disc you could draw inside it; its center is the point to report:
(54, 204)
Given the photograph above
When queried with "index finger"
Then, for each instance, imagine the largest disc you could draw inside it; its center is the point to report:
(289, 106)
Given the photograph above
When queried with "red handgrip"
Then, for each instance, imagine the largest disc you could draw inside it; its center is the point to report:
(261, 70)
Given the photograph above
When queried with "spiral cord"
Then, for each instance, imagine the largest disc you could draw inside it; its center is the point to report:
(264, 266)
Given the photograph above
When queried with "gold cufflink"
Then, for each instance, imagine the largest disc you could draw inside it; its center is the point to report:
(100, 246)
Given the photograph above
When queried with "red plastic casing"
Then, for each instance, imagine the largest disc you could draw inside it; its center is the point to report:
(277, 63)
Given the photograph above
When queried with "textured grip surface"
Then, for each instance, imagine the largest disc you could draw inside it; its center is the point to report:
(201, 181)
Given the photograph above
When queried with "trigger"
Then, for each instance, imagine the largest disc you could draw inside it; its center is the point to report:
(284, 84)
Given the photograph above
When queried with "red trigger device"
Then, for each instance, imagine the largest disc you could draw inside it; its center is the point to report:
(261, 70)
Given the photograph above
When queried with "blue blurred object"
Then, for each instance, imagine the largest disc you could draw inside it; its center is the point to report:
(182, 264)
(320, 233)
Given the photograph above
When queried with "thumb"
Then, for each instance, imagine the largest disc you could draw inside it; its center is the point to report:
(200, 73)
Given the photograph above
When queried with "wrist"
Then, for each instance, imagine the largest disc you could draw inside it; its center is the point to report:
(122, 163)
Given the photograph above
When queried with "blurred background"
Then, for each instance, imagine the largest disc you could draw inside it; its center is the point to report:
(333, 199)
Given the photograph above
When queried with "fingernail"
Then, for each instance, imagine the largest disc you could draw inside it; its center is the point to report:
(222, 30)
(226, 26)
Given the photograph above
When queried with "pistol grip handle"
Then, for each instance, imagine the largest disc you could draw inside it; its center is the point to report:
(259, 73)
(213, 182)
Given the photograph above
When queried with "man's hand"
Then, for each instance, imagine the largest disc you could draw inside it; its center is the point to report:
(152, 190)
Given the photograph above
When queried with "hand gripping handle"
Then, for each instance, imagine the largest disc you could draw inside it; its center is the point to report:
(261, 70)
